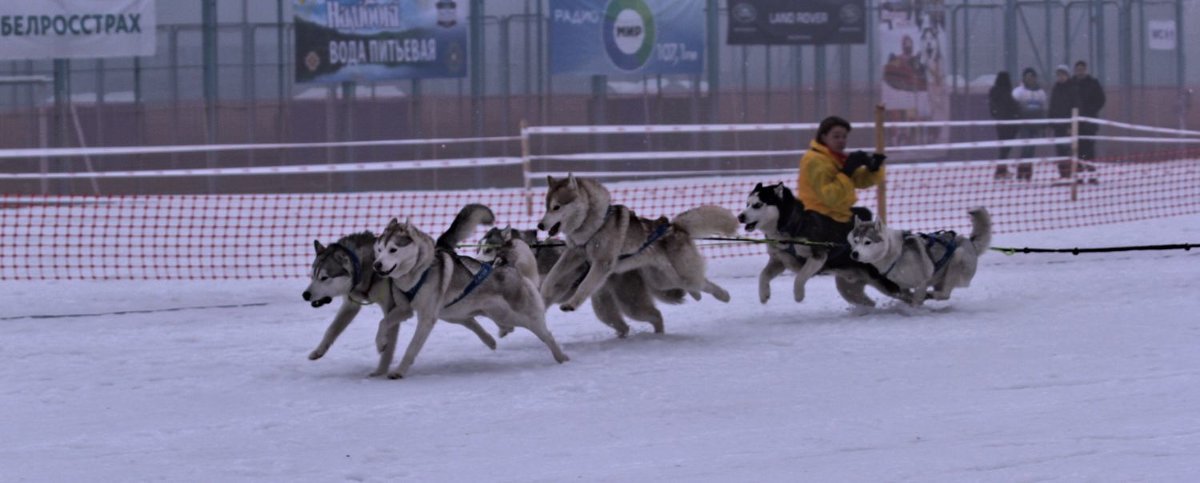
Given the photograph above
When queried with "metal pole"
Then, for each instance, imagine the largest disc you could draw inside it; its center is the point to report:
(281, 71)
(713, 62)
(209, 39)
(1010, 36)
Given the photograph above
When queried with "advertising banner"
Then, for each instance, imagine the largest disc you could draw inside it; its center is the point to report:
(912, 44)
(76, 29)
(365, 40)
(792, 22)
(613, 37)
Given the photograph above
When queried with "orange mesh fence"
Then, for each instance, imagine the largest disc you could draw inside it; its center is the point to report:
(178, 237)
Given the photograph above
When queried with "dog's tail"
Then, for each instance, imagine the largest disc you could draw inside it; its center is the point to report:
(981, 229)
(469, 218)
(707, 220)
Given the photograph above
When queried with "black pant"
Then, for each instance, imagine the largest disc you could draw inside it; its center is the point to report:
(1004, 132)
(1087, 147)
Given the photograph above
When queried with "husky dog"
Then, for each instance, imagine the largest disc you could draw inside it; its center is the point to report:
(916, 261)
(612, 240)
(622, 295)
(776, 212)
(343, 269)
(440, 284)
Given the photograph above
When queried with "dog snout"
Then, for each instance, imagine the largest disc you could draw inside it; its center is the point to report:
(741, 218)
(541, 226)
(378, 266)
(854, 255)
(307, 295)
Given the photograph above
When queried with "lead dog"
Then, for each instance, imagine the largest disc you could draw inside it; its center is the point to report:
(343, 269)
(775, 211)
(612, 240)
(622, 295)
(917, 261)
(440, 284)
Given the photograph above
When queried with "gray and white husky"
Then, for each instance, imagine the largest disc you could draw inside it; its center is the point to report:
(917, 261)
(612, 240)
(343, 269)
(775, 211)
(622, 295)
(440, 284)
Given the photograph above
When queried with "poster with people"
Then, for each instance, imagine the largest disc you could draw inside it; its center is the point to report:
(912, 44)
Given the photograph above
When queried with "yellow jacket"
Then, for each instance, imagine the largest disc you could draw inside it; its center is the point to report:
(822, 186)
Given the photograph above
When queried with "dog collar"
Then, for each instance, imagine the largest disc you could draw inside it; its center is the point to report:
(355, 264)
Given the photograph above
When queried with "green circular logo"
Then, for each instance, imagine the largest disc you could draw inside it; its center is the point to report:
(628, 33)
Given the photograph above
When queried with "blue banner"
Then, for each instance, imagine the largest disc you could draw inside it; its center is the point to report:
(366, 40)
(615, 37)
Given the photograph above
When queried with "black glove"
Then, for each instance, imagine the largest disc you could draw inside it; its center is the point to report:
(876, 162)
(854, 161)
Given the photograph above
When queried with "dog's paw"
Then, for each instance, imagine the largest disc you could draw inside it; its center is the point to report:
(764, 295)
(505, 331)
(377, 373)
(721, 295)
(316, 354)
(695, 294)
(395, 375)
(567, 307)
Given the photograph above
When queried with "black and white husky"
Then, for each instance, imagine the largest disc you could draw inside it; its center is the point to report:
(343, 270)
(775, 211)
(918, 261)
(440, 284)
(611, 240)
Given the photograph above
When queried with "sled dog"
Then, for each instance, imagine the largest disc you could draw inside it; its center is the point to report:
(343, 269)
(440, 284)
(622, 295)
(612, 240)
(776, 212)
(917, 261)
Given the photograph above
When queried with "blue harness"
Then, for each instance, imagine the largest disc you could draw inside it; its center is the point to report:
(945, 238)
(485, 270)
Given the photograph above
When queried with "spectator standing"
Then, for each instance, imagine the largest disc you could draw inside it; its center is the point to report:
(1032, 100)
(1003, 107)
(1063, 98)
(1091, 101)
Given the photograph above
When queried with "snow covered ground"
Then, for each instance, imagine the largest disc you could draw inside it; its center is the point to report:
(1050, 367)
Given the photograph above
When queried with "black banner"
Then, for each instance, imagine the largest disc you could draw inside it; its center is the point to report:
(792, 22)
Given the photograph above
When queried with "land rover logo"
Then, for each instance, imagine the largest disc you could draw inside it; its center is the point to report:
(850, 14)
(628, 33)
(744, 13)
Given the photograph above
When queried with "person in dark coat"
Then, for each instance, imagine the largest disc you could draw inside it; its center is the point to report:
(1091, 101)
(1063, 98)
(1003, 108)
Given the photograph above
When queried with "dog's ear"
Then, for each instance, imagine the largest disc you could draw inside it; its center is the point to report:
(317, 244)
(393, 224)
(757, 187)
(407, 227)
(549, 180)
(572, 183)
(779, 190)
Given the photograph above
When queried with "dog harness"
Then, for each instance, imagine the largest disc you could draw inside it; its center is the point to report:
(945, 238)
(485, 270)
(654, 236)
(412, 292)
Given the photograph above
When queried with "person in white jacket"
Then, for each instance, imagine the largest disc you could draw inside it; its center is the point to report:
(1032, 99)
